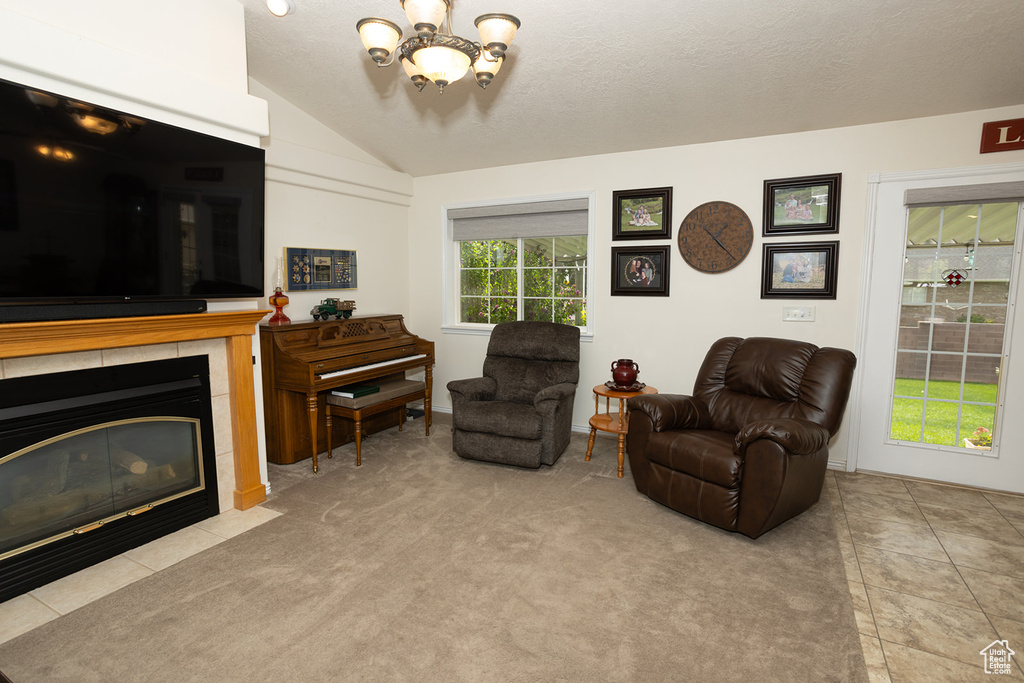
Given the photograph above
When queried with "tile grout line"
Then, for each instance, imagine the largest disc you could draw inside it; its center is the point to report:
(48, 605)
(43, 604)
(956, 567)
(932, 654)
(1005, 518)
(951, 562)
(856, 558)
(988, 617)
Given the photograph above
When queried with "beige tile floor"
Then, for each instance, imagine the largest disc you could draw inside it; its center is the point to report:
(35, 608)
(936, 573)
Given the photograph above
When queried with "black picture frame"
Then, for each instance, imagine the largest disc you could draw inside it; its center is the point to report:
(802, 206)
(640, 271)
(782, 266)
(631, 209)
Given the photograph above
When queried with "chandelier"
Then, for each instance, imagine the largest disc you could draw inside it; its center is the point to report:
(435, 53)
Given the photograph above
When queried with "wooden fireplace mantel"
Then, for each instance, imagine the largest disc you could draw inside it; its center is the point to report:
(236, 327)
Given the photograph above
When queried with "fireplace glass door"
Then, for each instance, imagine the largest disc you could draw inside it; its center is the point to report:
(76, 482)
(98, 461)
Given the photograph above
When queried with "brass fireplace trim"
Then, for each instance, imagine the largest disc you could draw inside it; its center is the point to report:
(98, 523)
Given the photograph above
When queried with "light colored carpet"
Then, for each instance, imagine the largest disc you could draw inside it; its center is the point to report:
(422, 566)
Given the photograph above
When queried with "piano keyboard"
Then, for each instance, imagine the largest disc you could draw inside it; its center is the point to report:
(361, 368)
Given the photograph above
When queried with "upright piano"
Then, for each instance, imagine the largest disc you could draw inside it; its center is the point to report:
(303, 360)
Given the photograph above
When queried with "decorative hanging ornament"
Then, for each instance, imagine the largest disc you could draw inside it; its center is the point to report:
(954, 277)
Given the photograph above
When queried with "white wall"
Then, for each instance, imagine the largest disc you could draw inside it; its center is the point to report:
(323, 192)
(290, 124)
(194, 37)
(668, 336)
(182, 63)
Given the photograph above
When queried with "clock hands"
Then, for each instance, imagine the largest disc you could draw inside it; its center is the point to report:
(718, 241)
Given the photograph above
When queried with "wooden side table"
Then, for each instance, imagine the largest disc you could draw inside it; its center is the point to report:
(609, 422)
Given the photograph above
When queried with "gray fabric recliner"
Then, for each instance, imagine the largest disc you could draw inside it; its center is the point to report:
(520, 412)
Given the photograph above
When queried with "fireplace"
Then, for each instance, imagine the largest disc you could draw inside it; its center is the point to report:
(96, 462)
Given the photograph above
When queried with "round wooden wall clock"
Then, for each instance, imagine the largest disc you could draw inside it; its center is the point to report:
(715, 237)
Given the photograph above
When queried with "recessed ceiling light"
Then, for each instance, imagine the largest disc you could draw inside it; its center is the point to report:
(280, 8)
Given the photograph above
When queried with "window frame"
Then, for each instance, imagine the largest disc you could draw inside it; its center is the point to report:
(450, 264)
(1015, 265)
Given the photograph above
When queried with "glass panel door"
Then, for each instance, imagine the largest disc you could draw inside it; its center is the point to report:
(95, 475)
(958, 267)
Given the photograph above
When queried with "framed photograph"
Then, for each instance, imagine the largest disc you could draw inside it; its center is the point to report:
(802, 206)
(640, 271)
(642, 214)
(804, 270)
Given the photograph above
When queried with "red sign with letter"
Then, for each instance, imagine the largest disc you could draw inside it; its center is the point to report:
(1001, 136)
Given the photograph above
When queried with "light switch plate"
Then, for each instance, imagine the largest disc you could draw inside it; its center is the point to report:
(800, 314)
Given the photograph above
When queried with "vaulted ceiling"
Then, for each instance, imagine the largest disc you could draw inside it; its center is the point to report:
(595, 77)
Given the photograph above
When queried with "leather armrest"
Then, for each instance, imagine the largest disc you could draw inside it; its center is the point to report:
(475, 389)
(672, 411)
(797, 437)
(556, 392)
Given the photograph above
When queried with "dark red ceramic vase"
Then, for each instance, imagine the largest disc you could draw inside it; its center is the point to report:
(624, 372)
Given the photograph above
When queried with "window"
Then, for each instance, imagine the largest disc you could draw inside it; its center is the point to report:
(956, 303)
(524, 260)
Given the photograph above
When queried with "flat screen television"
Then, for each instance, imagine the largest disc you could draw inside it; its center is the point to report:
(100, 207)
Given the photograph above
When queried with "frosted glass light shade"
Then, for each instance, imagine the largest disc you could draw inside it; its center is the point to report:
(280, 8)
(442, 65)
(485, 67)
(497, 32)
(425, 14)
(411, 70)
(380, 37)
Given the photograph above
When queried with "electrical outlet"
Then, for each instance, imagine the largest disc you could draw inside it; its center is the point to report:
(800, 314)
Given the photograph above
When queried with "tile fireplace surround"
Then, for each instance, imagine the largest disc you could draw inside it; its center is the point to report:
(37, 348)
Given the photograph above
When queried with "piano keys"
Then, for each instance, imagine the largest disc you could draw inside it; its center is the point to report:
(301, 361)
(371, 366)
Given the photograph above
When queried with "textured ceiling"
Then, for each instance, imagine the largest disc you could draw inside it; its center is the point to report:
(594, 77)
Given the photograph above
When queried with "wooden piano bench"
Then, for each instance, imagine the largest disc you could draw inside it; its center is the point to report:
(392, 394)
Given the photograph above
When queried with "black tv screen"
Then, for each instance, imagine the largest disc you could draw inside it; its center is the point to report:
(101, 206)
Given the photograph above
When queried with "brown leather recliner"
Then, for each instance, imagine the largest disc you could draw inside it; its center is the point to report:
(749, 449)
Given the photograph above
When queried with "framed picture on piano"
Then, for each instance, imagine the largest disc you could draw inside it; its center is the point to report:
(315, 269)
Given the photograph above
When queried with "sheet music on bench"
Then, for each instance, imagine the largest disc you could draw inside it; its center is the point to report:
(300, 361)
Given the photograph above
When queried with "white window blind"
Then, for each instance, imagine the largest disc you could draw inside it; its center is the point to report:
(556, 218)
(964, 194)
